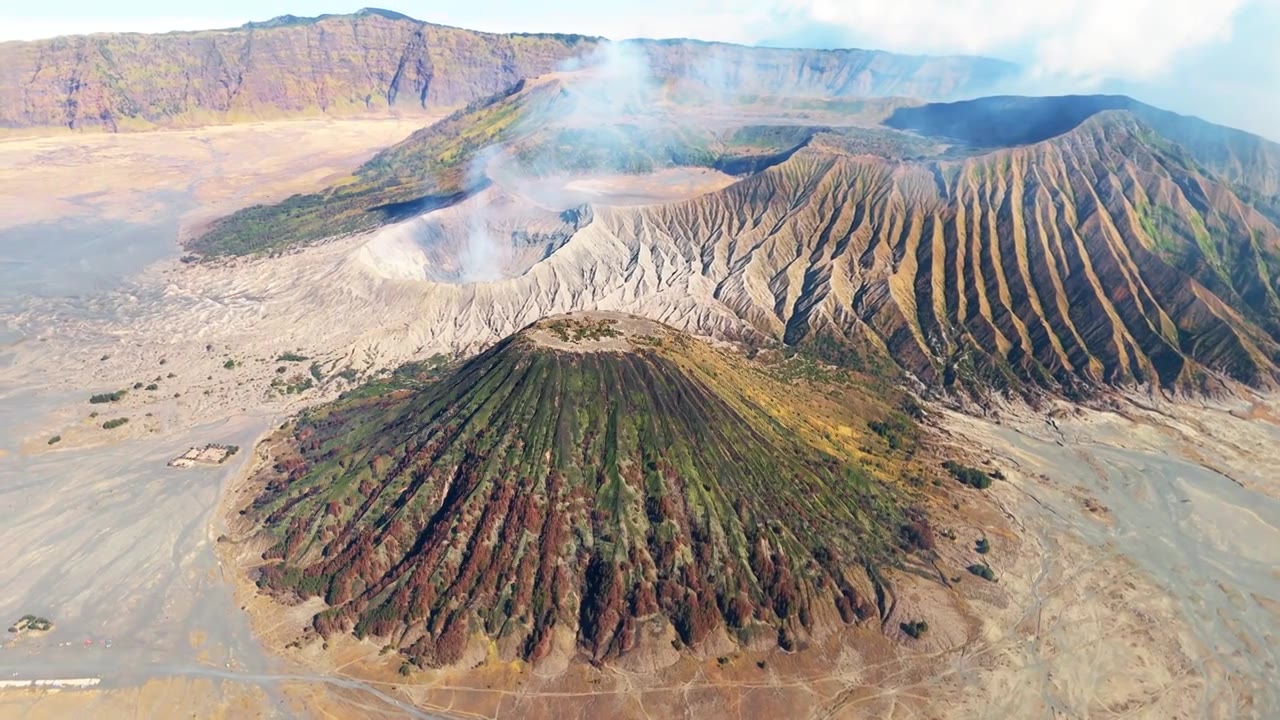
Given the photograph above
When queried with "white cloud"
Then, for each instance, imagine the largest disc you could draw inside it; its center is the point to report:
(1085, 40)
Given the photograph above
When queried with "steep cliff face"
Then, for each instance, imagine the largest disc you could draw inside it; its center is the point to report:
(335, 65)
(376, 60)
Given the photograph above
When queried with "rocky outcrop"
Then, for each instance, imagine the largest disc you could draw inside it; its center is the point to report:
(375, 61)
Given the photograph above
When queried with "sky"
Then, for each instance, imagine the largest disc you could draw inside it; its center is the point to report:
(1218, 59)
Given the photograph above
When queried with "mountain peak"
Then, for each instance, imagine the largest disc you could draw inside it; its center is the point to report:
(612, 501)
(381, 12)
(584, 332)
(295, 20)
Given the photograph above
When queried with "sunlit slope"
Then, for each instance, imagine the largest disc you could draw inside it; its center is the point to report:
(1106, 255)
(613, 493)
(535, 128)
(1019, 244)
(379, 61)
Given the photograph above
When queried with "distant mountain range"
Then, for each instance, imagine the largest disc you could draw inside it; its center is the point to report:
(376, 60)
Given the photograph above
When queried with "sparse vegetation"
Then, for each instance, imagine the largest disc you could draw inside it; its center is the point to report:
(110, 397)
(973, 477)
(55, 439)
(298, 383)
(983, 571)
(915, 629)
(229, 364)
(636, 451)
(916, 533)
(573, 330)
(426, 170)
(33, 623)
(153, 387)
(898, 431)
(292, 357)
(114, 423)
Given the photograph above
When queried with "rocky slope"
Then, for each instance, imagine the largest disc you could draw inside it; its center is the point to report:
(599, 477)
(1106, 255)
(377, 60)
(1008, 244)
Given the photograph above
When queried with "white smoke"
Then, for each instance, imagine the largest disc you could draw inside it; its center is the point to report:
(481, 259)
(608, 87)
(1085, 40)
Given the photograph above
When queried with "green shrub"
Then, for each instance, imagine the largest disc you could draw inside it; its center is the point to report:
(230, 364)
(153, 386)
(292, 357)
(983, 547)
(983, 572)
(107, 397)
(915, 628)
(973, 477)
(113, 424)
(898, 431)
(55, 439)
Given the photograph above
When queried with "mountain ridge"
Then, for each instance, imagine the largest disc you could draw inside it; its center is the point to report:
(1108, 254)
(340, 65)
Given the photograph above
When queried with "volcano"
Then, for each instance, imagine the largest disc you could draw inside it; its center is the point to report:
(598, 479)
